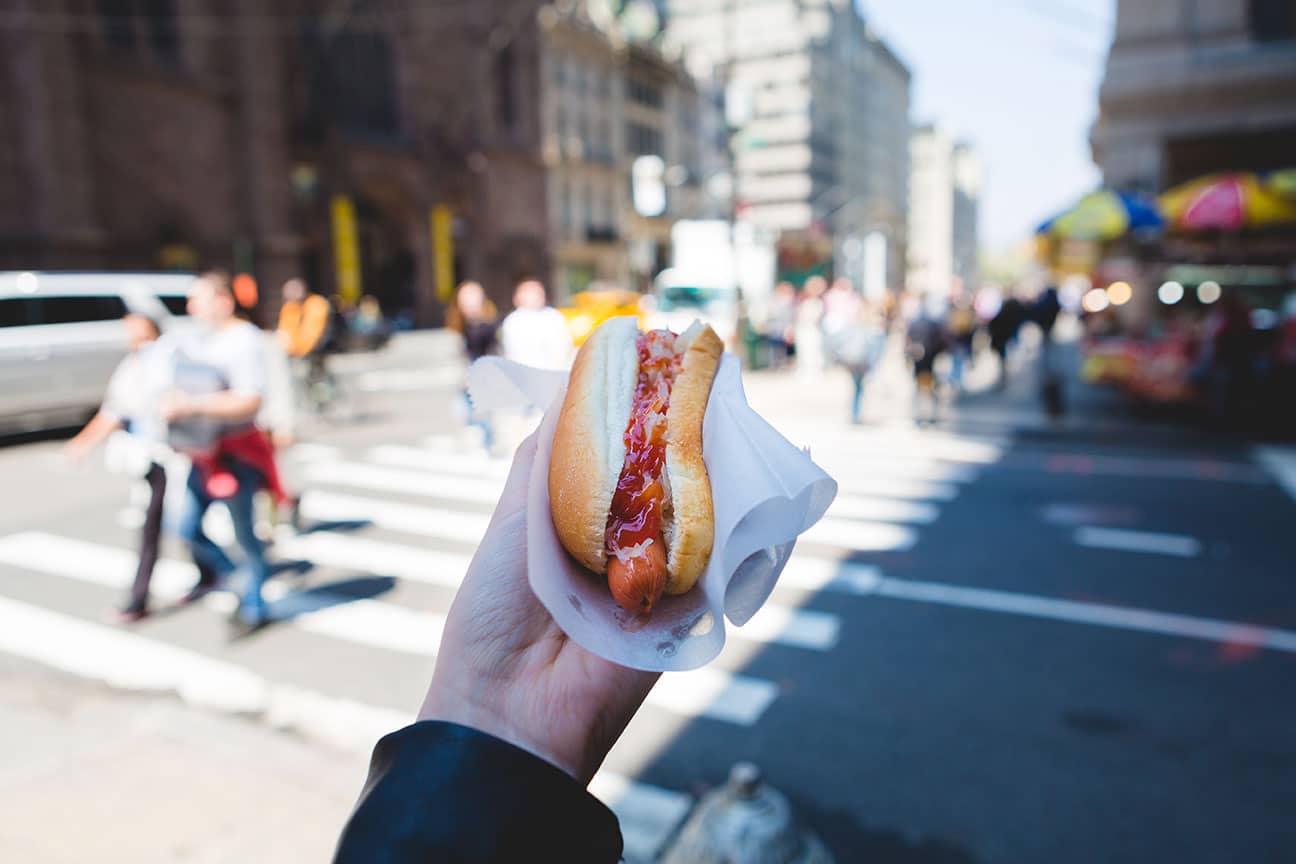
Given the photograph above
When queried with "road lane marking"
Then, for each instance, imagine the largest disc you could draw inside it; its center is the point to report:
(648, 814)
(444, 524)
(472, 464)
(325, 613)
(448, 486)
(715, 693)
(1151, 542)
(401, 480)
(1119, 617)
(1281, 463)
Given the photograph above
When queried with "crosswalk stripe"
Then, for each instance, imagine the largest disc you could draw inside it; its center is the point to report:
(435, 522)
(371, 622)
(861, 536)
(444, 524)
(1152, 542)
(389, 479)
(713, 693)
(648, 814)
(472, 464)
(487, 491)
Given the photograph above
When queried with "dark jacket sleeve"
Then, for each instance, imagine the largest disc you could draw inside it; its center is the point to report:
(447, 793)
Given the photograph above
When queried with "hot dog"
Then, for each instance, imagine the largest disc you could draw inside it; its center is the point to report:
(628, 490)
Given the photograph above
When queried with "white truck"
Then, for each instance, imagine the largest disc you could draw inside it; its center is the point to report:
(719, 271)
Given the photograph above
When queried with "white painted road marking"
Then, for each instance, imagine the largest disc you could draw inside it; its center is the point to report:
(363, 621)
(1123, 618)
(390, 479)
(472, 464)
(713, 693)
(1152, 542)
(648, 814)
(1281, 462)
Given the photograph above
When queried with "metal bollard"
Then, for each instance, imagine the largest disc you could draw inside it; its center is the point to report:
(745, 822)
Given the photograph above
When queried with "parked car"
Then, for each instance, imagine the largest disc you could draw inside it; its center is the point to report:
(61, 336)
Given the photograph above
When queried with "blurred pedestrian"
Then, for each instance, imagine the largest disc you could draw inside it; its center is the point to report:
(475, 319)
(1003, 330)
(219, 387)
(368, 325)
(535, 333)
(130, 403)
(960, 324)
(1229, 359)
(926, 342)
(841, 308)
(305, 324)
(780, 325)
(857, 345)
(810, 354)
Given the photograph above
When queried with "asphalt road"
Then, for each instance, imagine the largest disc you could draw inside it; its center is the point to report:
(1042, 645)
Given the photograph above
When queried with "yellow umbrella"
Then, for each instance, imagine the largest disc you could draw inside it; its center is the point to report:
(1283, 182)
(1224, 202)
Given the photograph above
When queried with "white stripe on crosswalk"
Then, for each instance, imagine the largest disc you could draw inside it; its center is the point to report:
(487, 490)
(1281, 463)
(1152, 542)
(435, 522)
(861, 536)
(713, 693)
(444, 524)
(648, 814)
(472, 464)
(390, 479)
(371, 622)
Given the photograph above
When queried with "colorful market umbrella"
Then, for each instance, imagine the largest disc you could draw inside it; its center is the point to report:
(1225, 202)
(1282, 182)
(1102, 215)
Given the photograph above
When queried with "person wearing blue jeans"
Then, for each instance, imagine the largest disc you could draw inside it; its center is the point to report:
(210, 557)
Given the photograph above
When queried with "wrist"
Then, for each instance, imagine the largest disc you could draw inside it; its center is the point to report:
(449, 705)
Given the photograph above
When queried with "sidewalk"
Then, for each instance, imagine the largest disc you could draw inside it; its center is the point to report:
(93, 774)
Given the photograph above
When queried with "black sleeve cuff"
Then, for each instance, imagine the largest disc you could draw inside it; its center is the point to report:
(447, 793)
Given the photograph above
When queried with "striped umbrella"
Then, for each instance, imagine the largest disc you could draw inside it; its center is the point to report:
(1102, 215)
(1225, 202)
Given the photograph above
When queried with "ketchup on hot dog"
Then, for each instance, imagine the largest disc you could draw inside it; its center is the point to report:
(635, 548)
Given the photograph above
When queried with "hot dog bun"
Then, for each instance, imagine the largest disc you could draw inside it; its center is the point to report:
(689, 521)
(589, 449)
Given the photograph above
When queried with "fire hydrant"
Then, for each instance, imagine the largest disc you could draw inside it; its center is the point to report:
(745, 822)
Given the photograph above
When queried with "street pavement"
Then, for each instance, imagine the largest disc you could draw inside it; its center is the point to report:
(1011, 640)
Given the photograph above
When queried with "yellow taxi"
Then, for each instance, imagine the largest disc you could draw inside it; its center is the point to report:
(588, 309)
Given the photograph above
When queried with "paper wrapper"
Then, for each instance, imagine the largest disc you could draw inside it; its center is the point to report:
(766, 493)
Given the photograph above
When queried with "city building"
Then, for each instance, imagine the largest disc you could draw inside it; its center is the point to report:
(1193, 88)
(630, 140)
(820, 109)
(967, 177)
(930, 270)
(295, 138)
(944, 193)
(582, 96)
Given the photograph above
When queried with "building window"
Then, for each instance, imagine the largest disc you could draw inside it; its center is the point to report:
(352, 82)
(644, 93)
(160, 20)
(1273, 20)
(505, 88)
(118, 23)
(643, 140)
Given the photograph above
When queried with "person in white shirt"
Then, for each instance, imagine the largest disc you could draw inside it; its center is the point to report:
(130, 403)
(219, 387)
(535, 333)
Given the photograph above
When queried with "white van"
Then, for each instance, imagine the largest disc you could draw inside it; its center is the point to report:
(61, 336)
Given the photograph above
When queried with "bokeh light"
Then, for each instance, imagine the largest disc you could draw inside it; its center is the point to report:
(1119, 293)
(1170, 293)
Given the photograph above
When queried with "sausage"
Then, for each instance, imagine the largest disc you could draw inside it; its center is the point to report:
(637, 583)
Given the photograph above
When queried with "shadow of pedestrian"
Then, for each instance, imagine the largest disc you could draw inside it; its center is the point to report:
(330, 594)
(849, 841)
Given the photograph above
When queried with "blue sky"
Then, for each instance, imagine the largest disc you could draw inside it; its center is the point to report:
(1018, 78)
